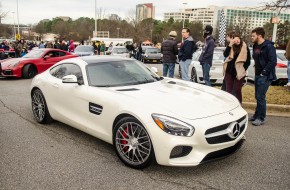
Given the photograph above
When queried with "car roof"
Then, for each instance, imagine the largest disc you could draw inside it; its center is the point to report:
(103, 58)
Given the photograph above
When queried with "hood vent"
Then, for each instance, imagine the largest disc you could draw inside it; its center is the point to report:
(129, 89)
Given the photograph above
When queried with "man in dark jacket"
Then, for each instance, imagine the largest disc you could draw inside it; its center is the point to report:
(264, 54)
(206, 56)
(186, 50)
(169, 51)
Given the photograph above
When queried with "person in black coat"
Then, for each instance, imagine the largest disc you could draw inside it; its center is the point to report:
(169, 51)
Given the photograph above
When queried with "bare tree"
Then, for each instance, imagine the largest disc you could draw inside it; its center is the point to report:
(277, 5)
(3, 14)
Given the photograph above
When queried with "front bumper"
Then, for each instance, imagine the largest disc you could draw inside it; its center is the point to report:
(196, 149)
(10, 72)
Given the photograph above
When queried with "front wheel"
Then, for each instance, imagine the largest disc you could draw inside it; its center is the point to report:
(29, 71)
(39, 107)
(193, 75)
(132, 143)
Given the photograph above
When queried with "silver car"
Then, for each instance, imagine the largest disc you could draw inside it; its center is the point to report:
(281, 69)
(152, 55)
(120, 51)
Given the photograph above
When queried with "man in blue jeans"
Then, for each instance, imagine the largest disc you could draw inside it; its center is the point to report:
(169, 51)
(264, 54)
(206, 56)
(186, 50)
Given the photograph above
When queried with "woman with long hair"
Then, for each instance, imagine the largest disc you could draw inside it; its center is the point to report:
(235, 66)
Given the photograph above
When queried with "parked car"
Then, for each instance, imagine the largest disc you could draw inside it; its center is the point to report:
(152, 55)
(33, 63)
(281, 69)
(216, 71)
(84, 50)
(124, 103)
(120, 51)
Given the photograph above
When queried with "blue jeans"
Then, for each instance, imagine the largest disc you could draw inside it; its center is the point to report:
(205, 71)
(184, 69)
(262, 84)
(168, 68)
(288, 71)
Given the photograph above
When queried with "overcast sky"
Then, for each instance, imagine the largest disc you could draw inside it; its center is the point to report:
(32, 11)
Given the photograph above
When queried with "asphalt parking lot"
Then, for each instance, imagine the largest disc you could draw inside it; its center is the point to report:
(56, 156)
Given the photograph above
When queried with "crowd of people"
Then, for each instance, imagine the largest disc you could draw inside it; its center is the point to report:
(237, 60)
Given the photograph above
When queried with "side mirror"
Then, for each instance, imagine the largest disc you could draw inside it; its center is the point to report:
(70, 79)
(154, 69)
(46, 57)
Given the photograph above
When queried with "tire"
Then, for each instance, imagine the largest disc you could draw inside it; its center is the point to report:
(29, 71)
(39, 107)
(193, 75)
(132, 143)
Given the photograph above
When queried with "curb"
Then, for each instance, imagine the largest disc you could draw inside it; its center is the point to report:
(273, 108)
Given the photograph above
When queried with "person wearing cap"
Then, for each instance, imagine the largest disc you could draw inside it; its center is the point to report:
(206, 56)
(169, 51)
(187, 48)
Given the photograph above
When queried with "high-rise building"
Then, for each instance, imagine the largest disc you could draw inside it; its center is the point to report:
(144, 11)
(253, 17)
(114, 17)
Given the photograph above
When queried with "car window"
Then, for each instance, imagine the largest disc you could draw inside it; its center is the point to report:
(56, 71)
(120, 50)
(152, 50)
(52, 54)
(67, 69)
(119, 73)
(84, 49)
(61, 53)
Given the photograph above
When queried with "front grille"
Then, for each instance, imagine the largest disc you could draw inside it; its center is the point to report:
(223, 137)
(180, 151)
(224, 152)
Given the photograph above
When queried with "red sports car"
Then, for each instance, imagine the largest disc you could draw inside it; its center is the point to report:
(33, 63)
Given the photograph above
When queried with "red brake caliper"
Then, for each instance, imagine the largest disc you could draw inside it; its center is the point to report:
(123, 141)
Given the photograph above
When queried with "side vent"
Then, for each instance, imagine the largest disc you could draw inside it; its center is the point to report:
(95, 108)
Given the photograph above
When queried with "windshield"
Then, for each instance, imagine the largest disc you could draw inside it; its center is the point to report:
(281, 56)
(153, 50)
(119, 73)
(34, 54)
(84, 49)
(120, 50)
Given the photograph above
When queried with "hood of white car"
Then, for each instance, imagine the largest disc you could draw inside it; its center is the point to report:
(185, 99)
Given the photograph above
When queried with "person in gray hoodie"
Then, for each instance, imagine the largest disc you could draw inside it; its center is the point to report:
(206, 56)
(187, 48)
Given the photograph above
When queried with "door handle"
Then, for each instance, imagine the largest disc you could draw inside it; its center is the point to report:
(55, 85)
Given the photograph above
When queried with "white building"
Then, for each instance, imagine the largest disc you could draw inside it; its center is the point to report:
(233, 15)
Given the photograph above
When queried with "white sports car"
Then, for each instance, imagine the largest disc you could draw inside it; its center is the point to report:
(145, 117)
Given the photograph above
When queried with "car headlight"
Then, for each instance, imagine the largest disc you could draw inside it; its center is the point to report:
(173, 126)
(145, 55)
(14, 64)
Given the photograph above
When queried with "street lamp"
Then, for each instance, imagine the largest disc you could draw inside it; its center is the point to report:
(118, 31)
(14, 29)
(96, 24)
(184, 4)
(18, 17)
